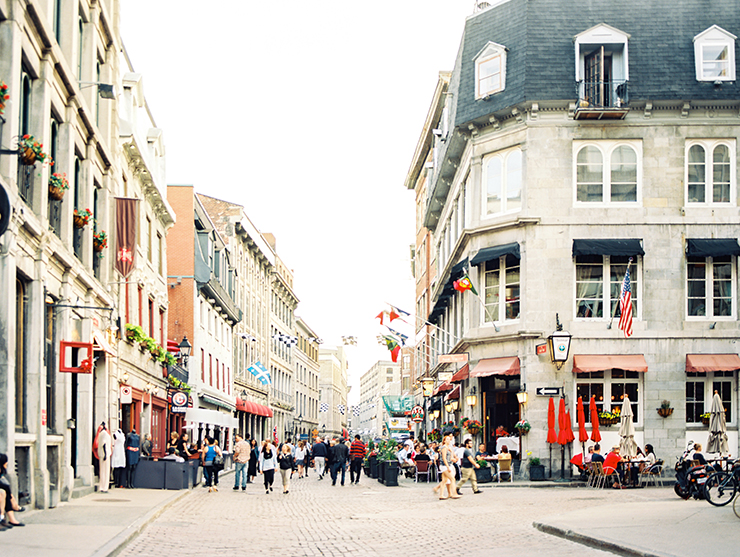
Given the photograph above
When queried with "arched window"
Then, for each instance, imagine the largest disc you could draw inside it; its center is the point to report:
(607, 172)
(710, 172)
(503, 182)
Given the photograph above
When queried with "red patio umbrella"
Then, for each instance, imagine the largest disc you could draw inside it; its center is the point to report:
(569, 427)
(552, 436)
(595, 435)
(581, 415)
(562, 434)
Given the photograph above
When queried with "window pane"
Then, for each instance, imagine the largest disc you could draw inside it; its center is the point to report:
(694, 401)
(491, 293)
(724, 388)
(715, 62)
(514, 180)
(624, 174)
(587, 390)
(589, 289)
(722, 289)
(489, 75)
(721, 174)
(494, 186)
(512, 292)
(697, 174)
(589, 175)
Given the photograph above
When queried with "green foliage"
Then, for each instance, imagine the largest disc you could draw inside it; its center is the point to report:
(387, 449)
(134, 333)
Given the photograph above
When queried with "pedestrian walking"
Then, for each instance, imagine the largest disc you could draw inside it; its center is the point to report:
(254, 458)
(285, 459)
(446, 470)
(300, 457)
(208, 456)
(268, 463)
(241, 460)
(339, 455)
(468, 466)
(357, 452)
(319, 456)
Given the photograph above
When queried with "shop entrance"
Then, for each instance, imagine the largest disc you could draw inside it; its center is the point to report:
(501, 407)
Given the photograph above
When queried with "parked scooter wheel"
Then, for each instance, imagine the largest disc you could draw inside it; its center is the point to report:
(682, 493)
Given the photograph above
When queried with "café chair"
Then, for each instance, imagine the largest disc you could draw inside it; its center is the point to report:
(611, 475)
(423, 468)
(653, 473)
(597, 474)
(504, 467)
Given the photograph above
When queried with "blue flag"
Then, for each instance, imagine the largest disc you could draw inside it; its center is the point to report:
(259, 371)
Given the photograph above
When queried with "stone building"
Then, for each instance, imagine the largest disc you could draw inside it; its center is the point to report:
(203, 307)
(333, 390)
(380, 386)
(575, 141)
(306, 413)
(254, 263)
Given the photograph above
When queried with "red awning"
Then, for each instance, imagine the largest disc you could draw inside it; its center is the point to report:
(584, 363)
(253, 408)
(702, 363)
(444, 387)
(496, 366)
(173, 346)
(454, 394)
(462, 374)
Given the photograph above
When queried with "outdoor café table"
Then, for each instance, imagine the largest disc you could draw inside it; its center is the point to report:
(512, 443)
(493, 461)
(635, 465)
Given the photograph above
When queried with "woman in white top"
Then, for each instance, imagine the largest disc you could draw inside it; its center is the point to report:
(300, 457)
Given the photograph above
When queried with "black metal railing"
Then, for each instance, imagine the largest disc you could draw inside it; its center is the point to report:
(602, 94)
(25, 182)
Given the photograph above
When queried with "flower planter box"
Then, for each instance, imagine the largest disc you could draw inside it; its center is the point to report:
(665, 412)
(80, 222)
(56, 193)
(391, 473)
(705, 421)
(27, 157)
(373, 460)
(381, 471)
(608, 421)
(483, 475)
(537, 472)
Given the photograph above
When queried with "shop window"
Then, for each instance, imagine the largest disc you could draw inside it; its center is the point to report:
(700, 389)
(502, 289)
(610, 387)
(710, 290)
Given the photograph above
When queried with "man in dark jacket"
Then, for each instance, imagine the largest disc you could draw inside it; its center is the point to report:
(339, 453)
(319, 456)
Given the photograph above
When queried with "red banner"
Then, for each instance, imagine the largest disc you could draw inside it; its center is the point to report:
(125, 235)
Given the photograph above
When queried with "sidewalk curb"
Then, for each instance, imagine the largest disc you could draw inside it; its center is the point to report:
(116, 545)
(596, 543)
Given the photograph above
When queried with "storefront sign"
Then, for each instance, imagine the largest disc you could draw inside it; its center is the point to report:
(444, 376)
(541, 349)
(453, 358)
(417, 413)
(126, 394)
(179, 402)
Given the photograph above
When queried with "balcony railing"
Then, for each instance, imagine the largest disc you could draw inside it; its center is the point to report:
(25, 183)
(602, 99)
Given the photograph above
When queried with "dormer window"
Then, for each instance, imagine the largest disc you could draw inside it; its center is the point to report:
(714, 55)
(490, 70)
(602, 68)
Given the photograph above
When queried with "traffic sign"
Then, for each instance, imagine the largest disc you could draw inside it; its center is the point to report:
(547, 391)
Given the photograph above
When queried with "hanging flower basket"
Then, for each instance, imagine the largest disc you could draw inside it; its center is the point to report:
(665, 412)
(607, 419)
(523, 427)
(3, 96)
(81, 217)
(58, 186)
(100, 241)
(30, 151)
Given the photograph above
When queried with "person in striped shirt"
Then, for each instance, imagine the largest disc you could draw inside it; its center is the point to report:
(357, 452)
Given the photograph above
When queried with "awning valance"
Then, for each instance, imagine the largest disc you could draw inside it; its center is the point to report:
(218, 402)
(461, 374)
(496, 366)
(712, 247)
(623, 247)
(454, 394)
(443, 388)
(253, 408)
(585, 363)
(703, 363)
(494, 252)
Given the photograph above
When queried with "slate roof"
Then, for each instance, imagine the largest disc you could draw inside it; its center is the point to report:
(539, 37)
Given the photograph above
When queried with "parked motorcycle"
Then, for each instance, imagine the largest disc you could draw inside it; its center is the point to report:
(690, 479)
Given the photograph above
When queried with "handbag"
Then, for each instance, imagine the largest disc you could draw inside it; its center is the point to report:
(218, 462)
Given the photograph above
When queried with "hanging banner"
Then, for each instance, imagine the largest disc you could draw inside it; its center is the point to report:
(126, 209)
(179, 403)
(417, 413)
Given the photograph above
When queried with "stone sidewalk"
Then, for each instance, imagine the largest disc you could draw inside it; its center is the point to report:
(370, 519)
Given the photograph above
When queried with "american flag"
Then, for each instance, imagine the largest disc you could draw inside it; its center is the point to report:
(340, 407)
(625, 305)
(324, 407)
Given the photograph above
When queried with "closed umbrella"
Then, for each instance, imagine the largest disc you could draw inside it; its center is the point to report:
(552, 436)
(582, 433)
(562, 437)
(569, 428)
(595, 433)
(717, 428)
(627, 444)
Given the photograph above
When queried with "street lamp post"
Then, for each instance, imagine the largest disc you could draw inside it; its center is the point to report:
(427, 385)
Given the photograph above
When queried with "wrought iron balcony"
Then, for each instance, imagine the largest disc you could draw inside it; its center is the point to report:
(602, 100)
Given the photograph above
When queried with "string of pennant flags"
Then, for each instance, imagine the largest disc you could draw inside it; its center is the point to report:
(356, 409)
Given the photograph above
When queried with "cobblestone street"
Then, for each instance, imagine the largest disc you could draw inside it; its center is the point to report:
(316, 518)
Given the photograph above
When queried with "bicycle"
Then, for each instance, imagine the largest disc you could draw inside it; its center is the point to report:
(721, 487)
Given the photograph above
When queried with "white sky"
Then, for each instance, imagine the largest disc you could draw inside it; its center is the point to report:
(307, 113)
